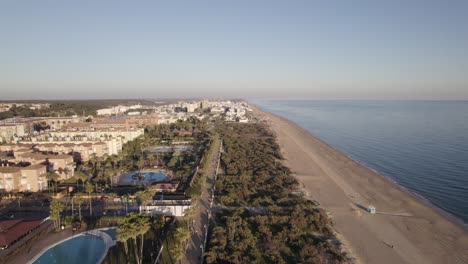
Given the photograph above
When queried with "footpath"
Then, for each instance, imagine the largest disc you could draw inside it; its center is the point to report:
(202, 212)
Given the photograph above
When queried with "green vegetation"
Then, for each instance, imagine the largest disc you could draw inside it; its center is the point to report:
(66, 108)
(139, 238)
(173, 243)
(191, 128)
(134, 157)
(254, 175)
(267, 224)
(133, 226)
(144, 197)
(199, 178)
(52, 176)
(89, 189)
(55, 209)
(140, 247)
(78, 200)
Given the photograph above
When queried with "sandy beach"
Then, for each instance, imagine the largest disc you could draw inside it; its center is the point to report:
(404, 230)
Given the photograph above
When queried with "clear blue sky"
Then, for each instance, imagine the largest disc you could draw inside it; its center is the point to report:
(295, 49)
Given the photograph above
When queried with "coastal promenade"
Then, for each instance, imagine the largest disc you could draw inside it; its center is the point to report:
(202, 210)
(404, 230)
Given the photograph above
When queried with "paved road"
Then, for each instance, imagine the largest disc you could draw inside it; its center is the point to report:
(202, 209)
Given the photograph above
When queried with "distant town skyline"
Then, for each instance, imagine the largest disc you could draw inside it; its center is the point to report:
(242, 49)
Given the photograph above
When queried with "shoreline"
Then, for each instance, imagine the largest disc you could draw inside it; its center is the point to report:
(449, 216)
(420, 231)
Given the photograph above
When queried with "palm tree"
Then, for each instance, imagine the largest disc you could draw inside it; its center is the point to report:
(150, 158)
(78, 200)
(188, 213)
(182, 233)
(93, 160)
(104, 163)
(80, 176)
(157, 222)
(123, 235)
(56, 207)
(143, 227)
(113, 160)
(52, 176)
(144, 197)
(112, 196)
(89, 189)
(133, 226)
(140, 164)
(94, 163)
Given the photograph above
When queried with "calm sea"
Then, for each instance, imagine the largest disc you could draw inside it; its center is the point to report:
(421, 145)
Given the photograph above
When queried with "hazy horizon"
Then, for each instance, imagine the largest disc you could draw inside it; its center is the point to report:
(323, 50)
(250, 100)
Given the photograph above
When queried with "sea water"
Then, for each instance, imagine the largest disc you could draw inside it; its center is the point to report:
(420, 145)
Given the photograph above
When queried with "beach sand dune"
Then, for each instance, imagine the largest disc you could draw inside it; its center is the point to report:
(404, 230)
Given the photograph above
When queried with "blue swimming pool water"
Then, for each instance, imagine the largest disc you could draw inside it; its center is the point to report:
(83, 249)
(150, 176)
(111, 232)
(160, 149)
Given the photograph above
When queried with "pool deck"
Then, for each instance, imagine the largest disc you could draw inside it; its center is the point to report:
(33, 247)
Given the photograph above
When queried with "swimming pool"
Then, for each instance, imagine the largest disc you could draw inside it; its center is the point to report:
(89, 247)
(81, 249)
(112, 232)
(160, 149)
(149, 177)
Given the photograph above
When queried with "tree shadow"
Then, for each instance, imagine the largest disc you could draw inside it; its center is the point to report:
(360, 206)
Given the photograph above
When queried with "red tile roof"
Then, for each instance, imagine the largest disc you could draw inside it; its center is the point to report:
(12, 230)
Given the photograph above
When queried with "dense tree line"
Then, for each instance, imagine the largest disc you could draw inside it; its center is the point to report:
(263, 221)
(194, 127)
(254, 174)
(66, 108)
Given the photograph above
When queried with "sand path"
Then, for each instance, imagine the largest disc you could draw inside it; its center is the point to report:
(404, 230)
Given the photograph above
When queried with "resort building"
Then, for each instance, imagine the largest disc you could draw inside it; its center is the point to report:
(173, 205)
(62, 164)
(117, 110)
(168, 120)
(9, 178)
(190, 107)
(17, 127)
(80, 147)
(218, 110)
(52, 122)
(33, 178)
(10, 130)
(30, 178)
(81, 152)
(96, 134)
(30, 157)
